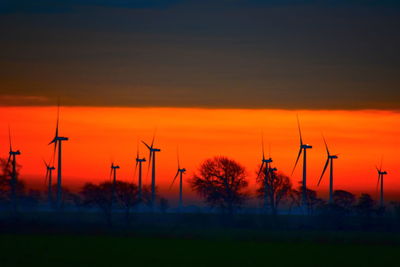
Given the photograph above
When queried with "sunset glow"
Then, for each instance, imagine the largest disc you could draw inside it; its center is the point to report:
(99, 136)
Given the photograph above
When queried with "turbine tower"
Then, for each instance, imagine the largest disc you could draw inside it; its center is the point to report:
(329, 161)
(57, 140)
(139, 161)
(267, 163)
(179, 172)
(152, 161)
(48, 181)
(113, 176)
(303, 148)
(380, 180)
(14, 178)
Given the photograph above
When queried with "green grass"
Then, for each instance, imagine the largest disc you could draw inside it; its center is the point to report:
(110, 250)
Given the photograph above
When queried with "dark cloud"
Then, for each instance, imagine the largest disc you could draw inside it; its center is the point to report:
(253, 54)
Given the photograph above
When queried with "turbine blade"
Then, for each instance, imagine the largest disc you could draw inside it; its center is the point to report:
(378, 170)
(323, 172)
(148, 165)
(326, 146)
(147, 145)
(9, 137)
(154, 136)
(298, 125)
(45, 163)
(377, 184)
(134, 172)
(9, 159)
(269, 150)
(47, 176)
(58, 117)
(261, 168)
(177, 155)
(262, 145)
(297, 160)
(54, 151)
(173, 181)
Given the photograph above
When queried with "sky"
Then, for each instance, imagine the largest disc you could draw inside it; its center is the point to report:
(99, 136)
(210, 76)
(287, 54)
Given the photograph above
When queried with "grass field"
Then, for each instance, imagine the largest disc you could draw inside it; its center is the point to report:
(110, 250)
(83, 239)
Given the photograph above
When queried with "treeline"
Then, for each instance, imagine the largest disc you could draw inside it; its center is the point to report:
(221, 182)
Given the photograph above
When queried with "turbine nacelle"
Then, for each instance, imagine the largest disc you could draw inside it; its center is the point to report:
(333, 156)
(114, 166)
(305, 146)
(183, 170)
(15, 153)
(58, 138)
(267, 160)
(140, 160)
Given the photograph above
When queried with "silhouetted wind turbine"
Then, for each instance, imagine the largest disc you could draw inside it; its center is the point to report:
(329, 161)
(380, 180)
(179, 172)
(267, 163)
(303, 148)
(113, 176)
(139, 162)
(152, 161)
(57, 140)
(14, 179)
(48, 181)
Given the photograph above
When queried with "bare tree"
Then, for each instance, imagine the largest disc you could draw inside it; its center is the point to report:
(6, 195)
(365, 205)
(221, 182)
(128, 196)
(274, 187)
(344, 200)
(99, 196)
(312, 199)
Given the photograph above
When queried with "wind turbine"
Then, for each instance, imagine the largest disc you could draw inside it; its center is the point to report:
(48, 180)
(113, 176)
(152, 161)
(139, 161)
(13, 181)
(380, 180)
(267, 163)
(303, 148)
(179, 172)
(329, 161)
(57, 140)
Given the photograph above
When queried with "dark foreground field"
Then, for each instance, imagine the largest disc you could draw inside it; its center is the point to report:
(81, 239)
(104, 250)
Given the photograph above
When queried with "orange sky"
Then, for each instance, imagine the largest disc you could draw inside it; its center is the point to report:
(100, 135)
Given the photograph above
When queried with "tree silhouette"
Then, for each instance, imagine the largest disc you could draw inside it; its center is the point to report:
(343, 200)
(312, 199)
(5, 183)
(365, 205)
(221, 182)
(146, 195)
(164, 205)
(275, 186)
(128, 196)
(99, 196)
